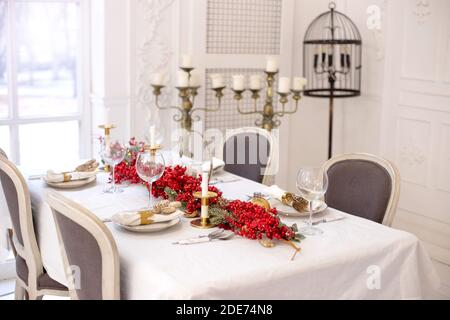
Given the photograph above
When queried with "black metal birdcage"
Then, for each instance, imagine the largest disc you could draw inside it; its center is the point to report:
(332, 59)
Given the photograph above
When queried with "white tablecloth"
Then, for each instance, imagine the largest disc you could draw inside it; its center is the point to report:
(344, 263)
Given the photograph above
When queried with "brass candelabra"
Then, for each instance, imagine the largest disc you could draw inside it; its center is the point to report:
(270, 117)
(187, 108)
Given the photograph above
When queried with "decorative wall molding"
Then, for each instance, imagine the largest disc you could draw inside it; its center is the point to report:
(412, 154)
(422, 10)
(153, 54)
(413, 140)
(444, 163)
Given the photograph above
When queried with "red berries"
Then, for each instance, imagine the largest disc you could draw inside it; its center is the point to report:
(244, 218)
(254, 222)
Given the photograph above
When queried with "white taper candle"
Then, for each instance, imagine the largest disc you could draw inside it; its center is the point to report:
(239, 82)
(186, 61)
(217, 81)
(205, 178)
(298, 84)
(272, 64)
(284, 85)
(152, 136)
(158, 79)
(183, 79)
(255, 82)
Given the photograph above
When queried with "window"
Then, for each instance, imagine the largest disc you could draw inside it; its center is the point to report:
(42, 118)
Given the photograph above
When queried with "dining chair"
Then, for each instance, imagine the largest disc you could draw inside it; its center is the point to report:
(32, 281)
(248, 153)
(9, 232)
(363, 185)
(88, 250)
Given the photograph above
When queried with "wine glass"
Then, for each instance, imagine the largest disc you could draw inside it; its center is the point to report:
(150, 167)
(113, 152)
(312, 184)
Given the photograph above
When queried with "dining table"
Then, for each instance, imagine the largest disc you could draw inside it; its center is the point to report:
(354, 258)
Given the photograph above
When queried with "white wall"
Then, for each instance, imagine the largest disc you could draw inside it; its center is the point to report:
(416, 121)
(357, 120)
(403, 113)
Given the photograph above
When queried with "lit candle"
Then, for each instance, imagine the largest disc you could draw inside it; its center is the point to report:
(284, 85)
(272, 64)
(158, 79)
(186, 61)
(298, 84)
(255, 82)
(217, 81)
(239, 83)
(183, 79)
(152, 136)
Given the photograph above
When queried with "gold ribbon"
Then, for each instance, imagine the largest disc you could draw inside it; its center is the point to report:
(145, 218)
(67, 177)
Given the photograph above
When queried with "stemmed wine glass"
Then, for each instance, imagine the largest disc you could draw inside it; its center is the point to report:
(312, 184)
(150, 168)
(112, 153)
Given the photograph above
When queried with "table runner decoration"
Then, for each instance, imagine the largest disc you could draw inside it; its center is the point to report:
(246, 219)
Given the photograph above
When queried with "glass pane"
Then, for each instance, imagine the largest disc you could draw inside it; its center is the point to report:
(3, 74)
(4, 140)
(47, 42)
(49, 145)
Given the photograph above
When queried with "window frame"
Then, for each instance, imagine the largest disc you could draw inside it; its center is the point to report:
(13, 121)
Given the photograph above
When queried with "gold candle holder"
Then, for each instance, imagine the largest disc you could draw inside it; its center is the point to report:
(153, 149)
(204, 223)
(107, 129)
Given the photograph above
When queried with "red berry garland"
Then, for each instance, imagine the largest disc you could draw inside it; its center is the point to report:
(182, 186)
(243, 218)
(254, 222)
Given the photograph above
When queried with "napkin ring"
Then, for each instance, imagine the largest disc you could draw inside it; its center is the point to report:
(145, 218)
(67, 177)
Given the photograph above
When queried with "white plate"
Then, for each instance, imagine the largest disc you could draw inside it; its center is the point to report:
(151, 227)
(288, 211)
(71, 184)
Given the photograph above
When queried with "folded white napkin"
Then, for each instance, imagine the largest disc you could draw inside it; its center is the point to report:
(134, 219)
(275, 192)
(56, 177)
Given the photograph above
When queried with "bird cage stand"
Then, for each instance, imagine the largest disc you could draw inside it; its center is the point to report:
(332, 60)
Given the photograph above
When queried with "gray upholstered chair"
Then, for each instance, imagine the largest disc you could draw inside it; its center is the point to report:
(363, 185)
(32, 281)
(247, 153)
(88, 250)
